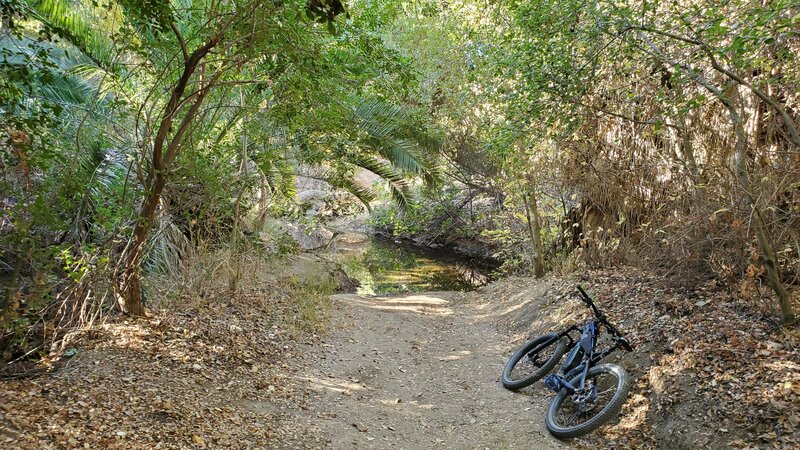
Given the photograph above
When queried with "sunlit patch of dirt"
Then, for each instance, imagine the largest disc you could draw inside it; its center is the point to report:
(419, 303)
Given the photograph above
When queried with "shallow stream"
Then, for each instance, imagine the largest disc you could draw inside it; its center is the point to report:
(383, 267)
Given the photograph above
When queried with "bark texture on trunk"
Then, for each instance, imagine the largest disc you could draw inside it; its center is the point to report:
(765, 244)
(127, 281)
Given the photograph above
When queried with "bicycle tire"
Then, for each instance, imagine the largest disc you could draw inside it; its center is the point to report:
(611, 409)
(558, 348)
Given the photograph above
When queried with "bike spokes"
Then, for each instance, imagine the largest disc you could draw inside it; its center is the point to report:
(536, 360)
(533, 362)
(585, 403)
(527, 365)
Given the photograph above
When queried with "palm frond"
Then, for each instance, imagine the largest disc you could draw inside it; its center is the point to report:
(402, 154)
(68, 90)
(393, 134)
(79, 31)
(432, 142)
(88, 72)
(379, 119)
(398, 183)
(402, 195)
(101, 169)
(381, 168)
(166, 247)
(363, 193)
(72, 81)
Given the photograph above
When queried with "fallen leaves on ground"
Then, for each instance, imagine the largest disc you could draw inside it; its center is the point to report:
(710, 370)
(213, 375)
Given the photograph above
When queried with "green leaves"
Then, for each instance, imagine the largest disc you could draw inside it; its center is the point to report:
(77, 29)
(398, 184)
(396, 136)
(152, 15)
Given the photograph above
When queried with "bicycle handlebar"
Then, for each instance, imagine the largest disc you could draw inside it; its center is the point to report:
(589, 302)
(586, 298)
(619, 338)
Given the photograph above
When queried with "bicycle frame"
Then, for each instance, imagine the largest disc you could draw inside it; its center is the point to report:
(586, 394)
(587, 345)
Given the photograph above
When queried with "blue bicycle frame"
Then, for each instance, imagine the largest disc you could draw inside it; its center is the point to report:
(584, 349)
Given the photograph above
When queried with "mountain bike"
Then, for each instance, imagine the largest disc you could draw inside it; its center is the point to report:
(587, 393)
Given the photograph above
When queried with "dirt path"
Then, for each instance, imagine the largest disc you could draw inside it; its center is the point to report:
(416, 371)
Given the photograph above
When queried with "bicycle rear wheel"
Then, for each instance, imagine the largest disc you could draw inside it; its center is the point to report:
(584, 411)
(533, 361)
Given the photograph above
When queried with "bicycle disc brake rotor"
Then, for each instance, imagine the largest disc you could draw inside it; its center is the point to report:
(585, 398)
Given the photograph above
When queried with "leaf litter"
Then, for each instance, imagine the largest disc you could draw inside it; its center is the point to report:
(709, 369)
(213, 375)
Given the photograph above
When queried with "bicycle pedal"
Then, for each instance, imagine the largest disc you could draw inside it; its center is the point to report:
(553, 382)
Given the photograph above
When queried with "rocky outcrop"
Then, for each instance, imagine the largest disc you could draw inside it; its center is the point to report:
(308, 239)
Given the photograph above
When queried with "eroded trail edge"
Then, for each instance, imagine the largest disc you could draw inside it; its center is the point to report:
(416, 371)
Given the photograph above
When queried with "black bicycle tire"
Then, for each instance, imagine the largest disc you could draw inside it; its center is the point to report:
(546, 368)
(612, 409)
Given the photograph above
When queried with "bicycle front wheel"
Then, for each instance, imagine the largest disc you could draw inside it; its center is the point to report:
(604, 393)
(533, 361)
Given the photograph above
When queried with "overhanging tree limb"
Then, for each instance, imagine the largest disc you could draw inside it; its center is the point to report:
(712, 59)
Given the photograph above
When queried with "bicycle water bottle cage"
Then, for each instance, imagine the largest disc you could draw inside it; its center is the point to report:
(553, 382)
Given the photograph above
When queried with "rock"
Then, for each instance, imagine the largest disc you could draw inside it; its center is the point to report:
(308, 240)
(345, 283)
(774, 346)
(312, 195)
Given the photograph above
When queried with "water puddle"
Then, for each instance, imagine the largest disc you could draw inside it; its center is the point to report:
(386, 267)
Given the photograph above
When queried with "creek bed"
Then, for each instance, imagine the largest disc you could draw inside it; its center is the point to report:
(384, 266)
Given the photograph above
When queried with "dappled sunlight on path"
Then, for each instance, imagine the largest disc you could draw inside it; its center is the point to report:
(428, 303)
(416, 371)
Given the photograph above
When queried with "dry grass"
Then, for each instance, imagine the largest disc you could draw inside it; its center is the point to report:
(267, 284)
(310, 305)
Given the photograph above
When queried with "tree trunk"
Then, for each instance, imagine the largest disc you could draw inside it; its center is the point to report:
(236, 236)
(534, 229)
(760, 228)
(128, 289)
(126, 279)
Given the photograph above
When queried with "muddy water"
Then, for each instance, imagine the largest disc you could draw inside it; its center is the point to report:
(383, 267)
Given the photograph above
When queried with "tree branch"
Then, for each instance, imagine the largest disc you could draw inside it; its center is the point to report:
(182, 42)
(704, 47)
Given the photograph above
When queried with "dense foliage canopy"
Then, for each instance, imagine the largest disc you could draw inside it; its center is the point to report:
(558, 132)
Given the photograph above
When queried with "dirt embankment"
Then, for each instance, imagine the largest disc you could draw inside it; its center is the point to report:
(709, 372)
(206, 369)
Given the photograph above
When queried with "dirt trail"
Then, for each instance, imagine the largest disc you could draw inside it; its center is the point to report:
(416, 371)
